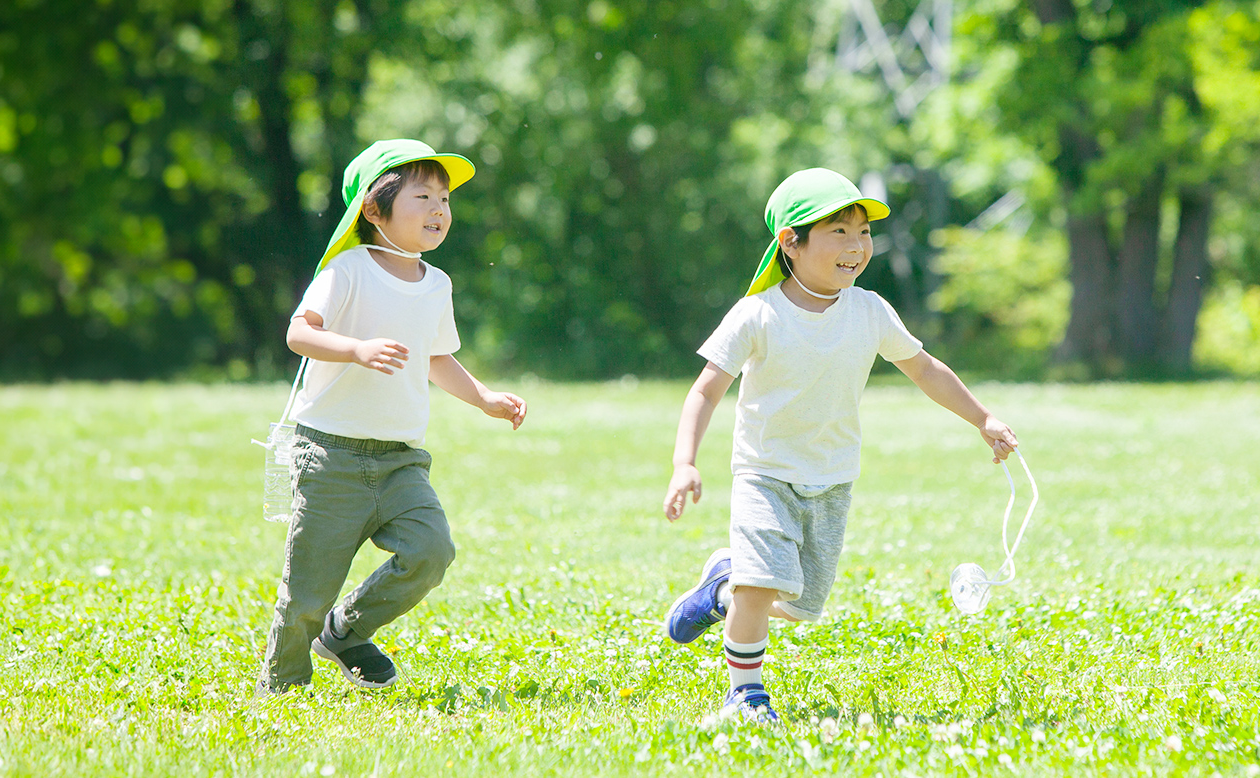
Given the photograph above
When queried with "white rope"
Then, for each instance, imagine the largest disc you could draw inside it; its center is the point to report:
(288, 406)
(1006, 573)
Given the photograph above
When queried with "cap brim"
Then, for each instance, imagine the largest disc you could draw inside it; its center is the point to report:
(458, 169)
(768, 272)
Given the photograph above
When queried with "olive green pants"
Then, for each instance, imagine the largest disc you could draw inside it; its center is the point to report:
(347, 491)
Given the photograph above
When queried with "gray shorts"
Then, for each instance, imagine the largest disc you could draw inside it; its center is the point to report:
(783, 540)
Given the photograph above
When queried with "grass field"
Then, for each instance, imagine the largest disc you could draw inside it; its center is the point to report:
(137, 579)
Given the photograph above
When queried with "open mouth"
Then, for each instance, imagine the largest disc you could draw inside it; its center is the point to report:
(848, 267)
(433, 227)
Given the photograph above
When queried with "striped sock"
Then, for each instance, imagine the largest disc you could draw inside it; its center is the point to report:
(744, 661)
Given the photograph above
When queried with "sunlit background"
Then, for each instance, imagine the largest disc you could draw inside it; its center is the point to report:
(1073, 184)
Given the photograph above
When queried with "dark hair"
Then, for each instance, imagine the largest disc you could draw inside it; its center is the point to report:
(384, 190)
(802, 232)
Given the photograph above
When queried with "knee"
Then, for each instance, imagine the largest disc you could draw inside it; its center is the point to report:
(429, 559)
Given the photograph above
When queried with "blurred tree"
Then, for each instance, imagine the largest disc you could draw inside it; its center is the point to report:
(170, 169)
(1112, 96)
(164, 168)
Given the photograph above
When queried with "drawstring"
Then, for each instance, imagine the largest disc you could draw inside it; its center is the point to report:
(809, 291)
(396, 250)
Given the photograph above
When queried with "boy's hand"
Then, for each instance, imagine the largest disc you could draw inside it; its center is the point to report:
(381, 354)
(999, 437)
(686, 478)
(504, 405)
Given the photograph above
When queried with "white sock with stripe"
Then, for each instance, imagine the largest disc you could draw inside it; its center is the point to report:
(743, 660)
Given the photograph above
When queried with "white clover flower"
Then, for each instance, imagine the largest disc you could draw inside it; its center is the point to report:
(1173, 743)
(828, 729)
(954, 751)
(1216, 694)
(900, 721)
(1004, 760)
(866, 720)
(722, 743)
(1038, 736)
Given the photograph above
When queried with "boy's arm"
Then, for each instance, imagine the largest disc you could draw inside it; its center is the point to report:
(702, 398)
(452, 378)
(308, 338)
(941, 384)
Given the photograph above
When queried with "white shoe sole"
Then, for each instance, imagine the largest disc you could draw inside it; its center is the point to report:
(705, 577)
(322, 650)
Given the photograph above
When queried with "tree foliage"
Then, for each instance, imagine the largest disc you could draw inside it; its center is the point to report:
(170, 169)
(1123, 101)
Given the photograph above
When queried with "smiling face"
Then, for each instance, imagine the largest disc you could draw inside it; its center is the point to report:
(836, 252)
(419, 217)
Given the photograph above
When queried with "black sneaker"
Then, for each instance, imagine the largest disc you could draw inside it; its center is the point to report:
(363, 665)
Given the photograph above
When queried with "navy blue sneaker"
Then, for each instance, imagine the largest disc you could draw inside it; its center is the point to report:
(698, 608)
(751, 702)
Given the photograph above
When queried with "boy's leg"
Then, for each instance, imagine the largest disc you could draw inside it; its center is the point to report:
(327, 528)
(419, 539)
(744, 644)
(823, 540)
(766, 538)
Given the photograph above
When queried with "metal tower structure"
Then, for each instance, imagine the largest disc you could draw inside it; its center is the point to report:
(913, 62)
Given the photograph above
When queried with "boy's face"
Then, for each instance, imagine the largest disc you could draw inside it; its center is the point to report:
(420, 216)
(836, 253)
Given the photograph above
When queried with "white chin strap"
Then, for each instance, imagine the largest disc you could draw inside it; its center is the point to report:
(969, 584)
(396, 250)
(809, 291)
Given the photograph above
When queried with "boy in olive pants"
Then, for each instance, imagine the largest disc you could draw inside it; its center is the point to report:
(359, 472)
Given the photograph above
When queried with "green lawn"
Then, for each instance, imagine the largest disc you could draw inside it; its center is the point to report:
(137, 579)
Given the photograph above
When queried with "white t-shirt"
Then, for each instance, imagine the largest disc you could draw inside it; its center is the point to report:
(804, 372)
(359, 298)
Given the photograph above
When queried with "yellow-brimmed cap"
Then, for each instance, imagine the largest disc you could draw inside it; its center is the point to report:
(368, 166)
(803, 198)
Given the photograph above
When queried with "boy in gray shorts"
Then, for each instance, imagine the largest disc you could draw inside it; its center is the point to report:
(359, 472)
(805, 339)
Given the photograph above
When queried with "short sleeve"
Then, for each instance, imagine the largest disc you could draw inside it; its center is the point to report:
(326, 294)
(447, 339)
(735, 339)
(895, 341)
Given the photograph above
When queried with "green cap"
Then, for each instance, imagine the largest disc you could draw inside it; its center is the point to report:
(804, 198)
(367, 167)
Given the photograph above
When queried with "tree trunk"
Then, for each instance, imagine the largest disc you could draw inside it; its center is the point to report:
(1190, 265)
(1136, 316)
(1088, 336)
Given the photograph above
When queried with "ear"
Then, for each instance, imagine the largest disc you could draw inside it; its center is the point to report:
(788, 241)
(372, 213)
